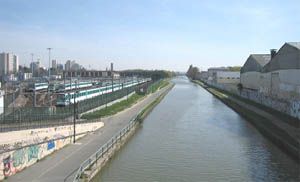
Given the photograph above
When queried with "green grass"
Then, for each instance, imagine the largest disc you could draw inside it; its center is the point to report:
(159, 85)
(122, 105)
(115, 108)
(150, 106)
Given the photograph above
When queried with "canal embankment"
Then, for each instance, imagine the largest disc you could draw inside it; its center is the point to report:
(125, 102)
(94, 164)
(63, 165)
(23, 148)
(280, 129)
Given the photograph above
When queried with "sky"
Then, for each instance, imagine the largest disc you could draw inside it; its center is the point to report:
(147, 34)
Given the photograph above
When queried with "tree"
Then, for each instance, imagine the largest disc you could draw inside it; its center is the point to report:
(234, 68)
(192, 72)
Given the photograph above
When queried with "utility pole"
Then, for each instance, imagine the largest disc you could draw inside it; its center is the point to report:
(49, 49)
(74, 119)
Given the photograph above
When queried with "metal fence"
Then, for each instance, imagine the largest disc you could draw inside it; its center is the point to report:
(99, 154)
(9, 98)
(18, 118)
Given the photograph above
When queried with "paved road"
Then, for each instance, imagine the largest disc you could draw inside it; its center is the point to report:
(62, 163)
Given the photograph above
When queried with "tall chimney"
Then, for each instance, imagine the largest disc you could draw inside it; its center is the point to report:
(273, 53)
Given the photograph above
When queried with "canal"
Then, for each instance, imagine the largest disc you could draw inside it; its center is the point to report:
(192, 136)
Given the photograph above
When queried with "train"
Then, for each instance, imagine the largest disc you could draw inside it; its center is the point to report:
(38, 86)
(71, 86)
(58, 87)
(64, 99)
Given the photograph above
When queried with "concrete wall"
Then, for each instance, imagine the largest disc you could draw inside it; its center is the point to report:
(226, 77)
(1, 103)
(290, 107)
(250, 80)
(16, 160)
(282, 84)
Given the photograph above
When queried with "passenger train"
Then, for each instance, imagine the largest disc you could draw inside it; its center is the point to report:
(65, 99)
(71, 86)
(38, 86)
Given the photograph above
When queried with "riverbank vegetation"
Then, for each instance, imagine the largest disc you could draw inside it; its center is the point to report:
(153, 74)
(158, 85)
(114, 108)
(122, 105)
(142, 115)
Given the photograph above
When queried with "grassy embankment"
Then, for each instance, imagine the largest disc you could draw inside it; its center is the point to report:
(122, 105)
(142, 115)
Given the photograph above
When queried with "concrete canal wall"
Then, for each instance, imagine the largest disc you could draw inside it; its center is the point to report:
(21, 149)
(105, 153)
(285, 134)
(290, 107)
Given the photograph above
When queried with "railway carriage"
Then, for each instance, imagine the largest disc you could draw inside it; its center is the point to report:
(38, 86)
(71, 86)
(68, 98)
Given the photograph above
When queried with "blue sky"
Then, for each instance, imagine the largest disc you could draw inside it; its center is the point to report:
(150, 34)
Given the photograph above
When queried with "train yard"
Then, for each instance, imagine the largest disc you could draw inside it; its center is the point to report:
(58, 104)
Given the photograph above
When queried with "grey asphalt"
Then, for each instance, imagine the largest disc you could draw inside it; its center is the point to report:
(62, 163)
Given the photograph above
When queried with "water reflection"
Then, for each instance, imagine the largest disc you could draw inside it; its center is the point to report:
(192, 136)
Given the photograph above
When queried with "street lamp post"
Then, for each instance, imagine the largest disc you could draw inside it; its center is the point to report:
(106, 97)
(49, 49)
(48, 93)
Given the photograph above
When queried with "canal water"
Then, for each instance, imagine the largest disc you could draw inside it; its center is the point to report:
(192, 136)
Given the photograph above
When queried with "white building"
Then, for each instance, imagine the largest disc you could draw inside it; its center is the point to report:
(72, 66)
(25, 76)
(212, 72)
(1, 102)
(226, 77)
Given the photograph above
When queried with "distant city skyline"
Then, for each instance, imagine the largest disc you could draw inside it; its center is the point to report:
(153, 34)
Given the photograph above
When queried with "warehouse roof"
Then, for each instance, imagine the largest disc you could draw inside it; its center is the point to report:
(294, 44)
(256, 62)
(288, 57)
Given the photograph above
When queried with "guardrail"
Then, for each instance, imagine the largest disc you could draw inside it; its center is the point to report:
(104, 149)
(13, 119)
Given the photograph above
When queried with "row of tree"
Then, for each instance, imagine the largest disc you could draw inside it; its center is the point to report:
(154, 74)
(192, 72)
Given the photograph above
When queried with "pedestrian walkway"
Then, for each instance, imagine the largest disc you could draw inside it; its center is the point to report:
(64, 162)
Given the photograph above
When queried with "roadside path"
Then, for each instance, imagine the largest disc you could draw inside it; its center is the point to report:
(63, 162)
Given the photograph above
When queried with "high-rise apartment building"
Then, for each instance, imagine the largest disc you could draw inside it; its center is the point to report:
(9, 64)
(16, 64)
(54, 64)
(72, 66)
